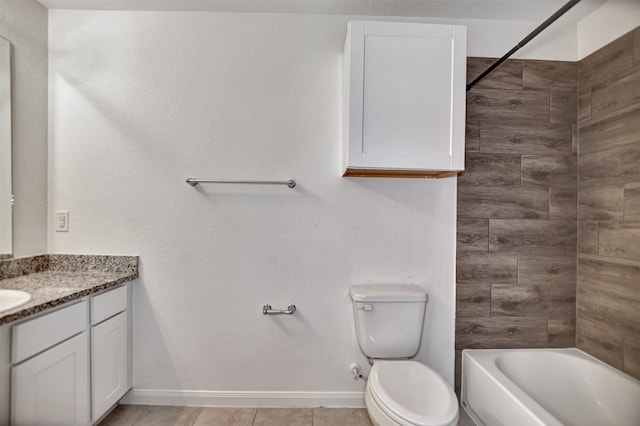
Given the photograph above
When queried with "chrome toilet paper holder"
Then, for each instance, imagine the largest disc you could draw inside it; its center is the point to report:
(268, 310)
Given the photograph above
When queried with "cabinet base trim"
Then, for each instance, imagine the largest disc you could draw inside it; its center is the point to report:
(243, 399)
(398, 173)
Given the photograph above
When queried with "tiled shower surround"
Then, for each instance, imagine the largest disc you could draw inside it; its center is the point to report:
(608, 324)
(516, 260)
(518, 226)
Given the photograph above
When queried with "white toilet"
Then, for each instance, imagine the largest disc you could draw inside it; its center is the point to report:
(389, 320)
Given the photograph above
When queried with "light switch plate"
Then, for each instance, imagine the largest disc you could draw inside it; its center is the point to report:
(62, 221)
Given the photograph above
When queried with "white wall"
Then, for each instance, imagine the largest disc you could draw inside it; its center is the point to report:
(24, 24)
(605, 24)
(493, 39)
(139, 101)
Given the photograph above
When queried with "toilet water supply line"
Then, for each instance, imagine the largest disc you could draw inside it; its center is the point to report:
(355, 370)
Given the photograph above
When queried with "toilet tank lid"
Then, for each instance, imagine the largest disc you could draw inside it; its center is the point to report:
(387, 293)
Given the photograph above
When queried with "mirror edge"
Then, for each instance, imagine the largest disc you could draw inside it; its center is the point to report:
(6, 185)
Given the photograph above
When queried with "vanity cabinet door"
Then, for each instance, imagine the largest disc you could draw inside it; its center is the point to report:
(109, 372)
(52, 388)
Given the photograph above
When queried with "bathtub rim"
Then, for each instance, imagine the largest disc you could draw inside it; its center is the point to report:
(510, 390)
(513, 391)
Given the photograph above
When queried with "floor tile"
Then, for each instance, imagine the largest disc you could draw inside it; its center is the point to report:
(341, 416)
(146, 415)
(226, 416)
(284, 417)
(124, 415)
(168, 416)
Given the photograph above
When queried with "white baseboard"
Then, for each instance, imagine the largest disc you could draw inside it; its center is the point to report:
(243, 399)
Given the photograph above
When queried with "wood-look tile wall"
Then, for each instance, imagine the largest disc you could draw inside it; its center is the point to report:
(608, 297)
(516, 260)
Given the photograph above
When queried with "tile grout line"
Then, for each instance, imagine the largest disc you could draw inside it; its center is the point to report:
(255, 414)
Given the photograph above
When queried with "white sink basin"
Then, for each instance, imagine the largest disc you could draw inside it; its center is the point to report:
(10, 299)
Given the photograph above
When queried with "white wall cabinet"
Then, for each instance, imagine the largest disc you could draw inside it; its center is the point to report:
(404, 90)
(71, 365)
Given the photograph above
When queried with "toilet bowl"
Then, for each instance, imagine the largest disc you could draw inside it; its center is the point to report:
(408, 393)
(389, 321)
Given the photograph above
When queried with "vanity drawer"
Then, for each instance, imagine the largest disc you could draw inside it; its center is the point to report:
(36, 335)
(108, 304)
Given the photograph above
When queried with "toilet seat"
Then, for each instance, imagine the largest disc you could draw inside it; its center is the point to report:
(411, 393)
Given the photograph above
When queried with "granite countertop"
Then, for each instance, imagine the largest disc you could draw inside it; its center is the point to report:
(56, 279)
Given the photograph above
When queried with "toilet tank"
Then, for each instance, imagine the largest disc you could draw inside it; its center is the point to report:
(389, 319)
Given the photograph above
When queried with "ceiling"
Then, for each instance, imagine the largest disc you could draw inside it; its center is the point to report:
(508, 10)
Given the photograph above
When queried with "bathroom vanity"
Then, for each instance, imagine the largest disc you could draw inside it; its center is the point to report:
(65, 355)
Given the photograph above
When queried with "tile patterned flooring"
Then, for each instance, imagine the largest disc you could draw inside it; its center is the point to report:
(147, 415)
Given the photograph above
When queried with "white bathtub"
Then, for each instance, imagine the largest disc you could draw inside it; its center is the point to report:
(546, 387)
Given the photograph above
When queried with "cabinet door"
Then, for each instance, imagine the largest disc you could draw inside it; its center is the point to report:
(53, 388)
(109, 372)
(407, 96)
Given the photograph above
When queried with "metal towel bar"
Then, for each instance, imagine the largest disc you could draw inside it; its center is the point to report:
(268, 310)
(290, 183)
